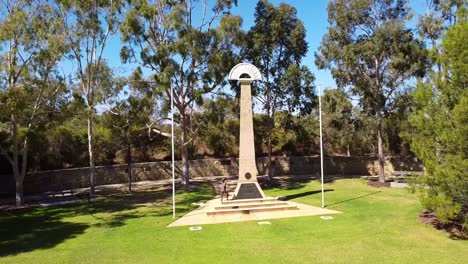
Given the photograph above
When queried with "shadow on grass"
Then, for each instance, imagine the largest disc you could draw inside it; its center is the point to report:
(285, 183)
(159, 203)
(298, 195)
(351, 199)
(35, 228)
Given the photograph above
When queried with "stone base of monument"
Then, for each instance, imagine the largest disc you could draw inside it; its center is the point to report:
(214, 212)
(247, 206)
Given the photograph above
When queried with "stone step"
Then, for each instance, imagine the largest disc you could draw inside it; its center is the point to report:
(252, 210)
(242, 201)
(250, 205)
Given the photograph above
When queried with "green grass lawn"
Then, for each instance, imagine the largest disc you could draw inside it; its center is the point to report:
(377, 226)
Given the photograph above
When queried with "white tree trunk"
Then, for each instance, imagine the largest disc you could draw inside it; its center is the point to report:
(380, 149)
(129, 164)
(92, 170)
(184, 153)
(15, 164)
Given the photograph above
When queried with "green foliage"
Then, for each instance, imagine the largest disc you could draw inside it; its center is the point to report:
(88, 25)
(190, 55)
(398, 131)
(127, 120)
(31, 85)
(438, 17)
(368, 48)
(175, 49)
(370, 51)
(345, 128)
(276, 45)
(219, 127)
(338, 121)
(440, 122)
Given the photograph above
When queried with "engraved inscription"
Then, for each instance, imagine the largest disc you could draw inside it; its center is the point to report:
(248, 191)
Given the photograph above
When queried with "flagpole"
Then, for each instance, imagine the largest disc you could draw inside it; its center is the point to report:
(172, 142)
(321, 144)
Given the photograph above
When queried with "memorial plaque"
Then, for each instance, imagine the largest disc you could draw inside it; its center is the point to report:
(248, 191)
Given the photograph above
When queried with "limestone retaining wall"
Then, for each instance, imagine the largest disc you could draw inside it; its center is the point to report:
(78, 178)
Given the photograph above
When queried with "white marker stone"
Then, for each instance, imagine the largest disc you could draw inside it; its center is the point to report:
(264, 223)
(326, 217)
(195, 228)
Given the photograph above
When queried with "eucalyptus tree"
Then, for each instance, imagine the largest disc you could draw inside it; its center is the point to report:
(369, 50)
(338, 121)
(276, 45)
(88, 25)
(30, 83)
(127, 118)
(220, 120)
(186, 46)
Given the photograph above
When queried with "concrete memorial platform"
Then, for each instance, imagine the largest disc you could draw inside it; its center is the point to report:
(215, 212)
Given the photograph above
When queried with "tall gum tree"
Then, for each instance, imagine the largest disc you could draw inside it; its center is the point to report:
(276, 45)
(88, 25)
(370, 51)
(187, 46)
(30, 83)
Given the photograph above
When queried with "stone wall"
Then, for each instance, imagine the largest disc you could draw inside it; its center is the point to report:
(78, 178)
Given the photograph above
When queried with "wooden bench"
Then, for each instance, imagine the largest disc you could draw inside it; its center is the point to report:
(404, 173)
(62, 193)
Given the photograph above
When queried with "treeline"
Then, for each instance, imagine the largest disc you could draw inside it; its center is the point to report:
(401, 89)
(63, 143)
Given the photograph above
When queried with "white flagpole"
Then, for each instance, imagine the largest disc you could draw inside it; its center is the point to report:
(321, 144)
(172, 142)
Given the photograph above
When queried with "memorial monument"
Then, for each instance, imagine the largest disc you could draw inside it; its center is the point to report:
(248, 202)
(247, 186)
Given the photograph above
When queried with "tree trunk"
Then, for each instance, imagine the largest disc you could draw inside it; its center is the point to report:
(129, 165)
(380, 149)
(19, 191)
(15, 163)
(18, 180)
(92, 170)
(348, 153)
(270, 126)
(270, 151)
(22, 172)
(184, 151)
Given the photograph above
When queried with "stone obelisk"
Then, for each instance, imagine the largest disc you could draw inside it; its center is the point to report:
(247, 187)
